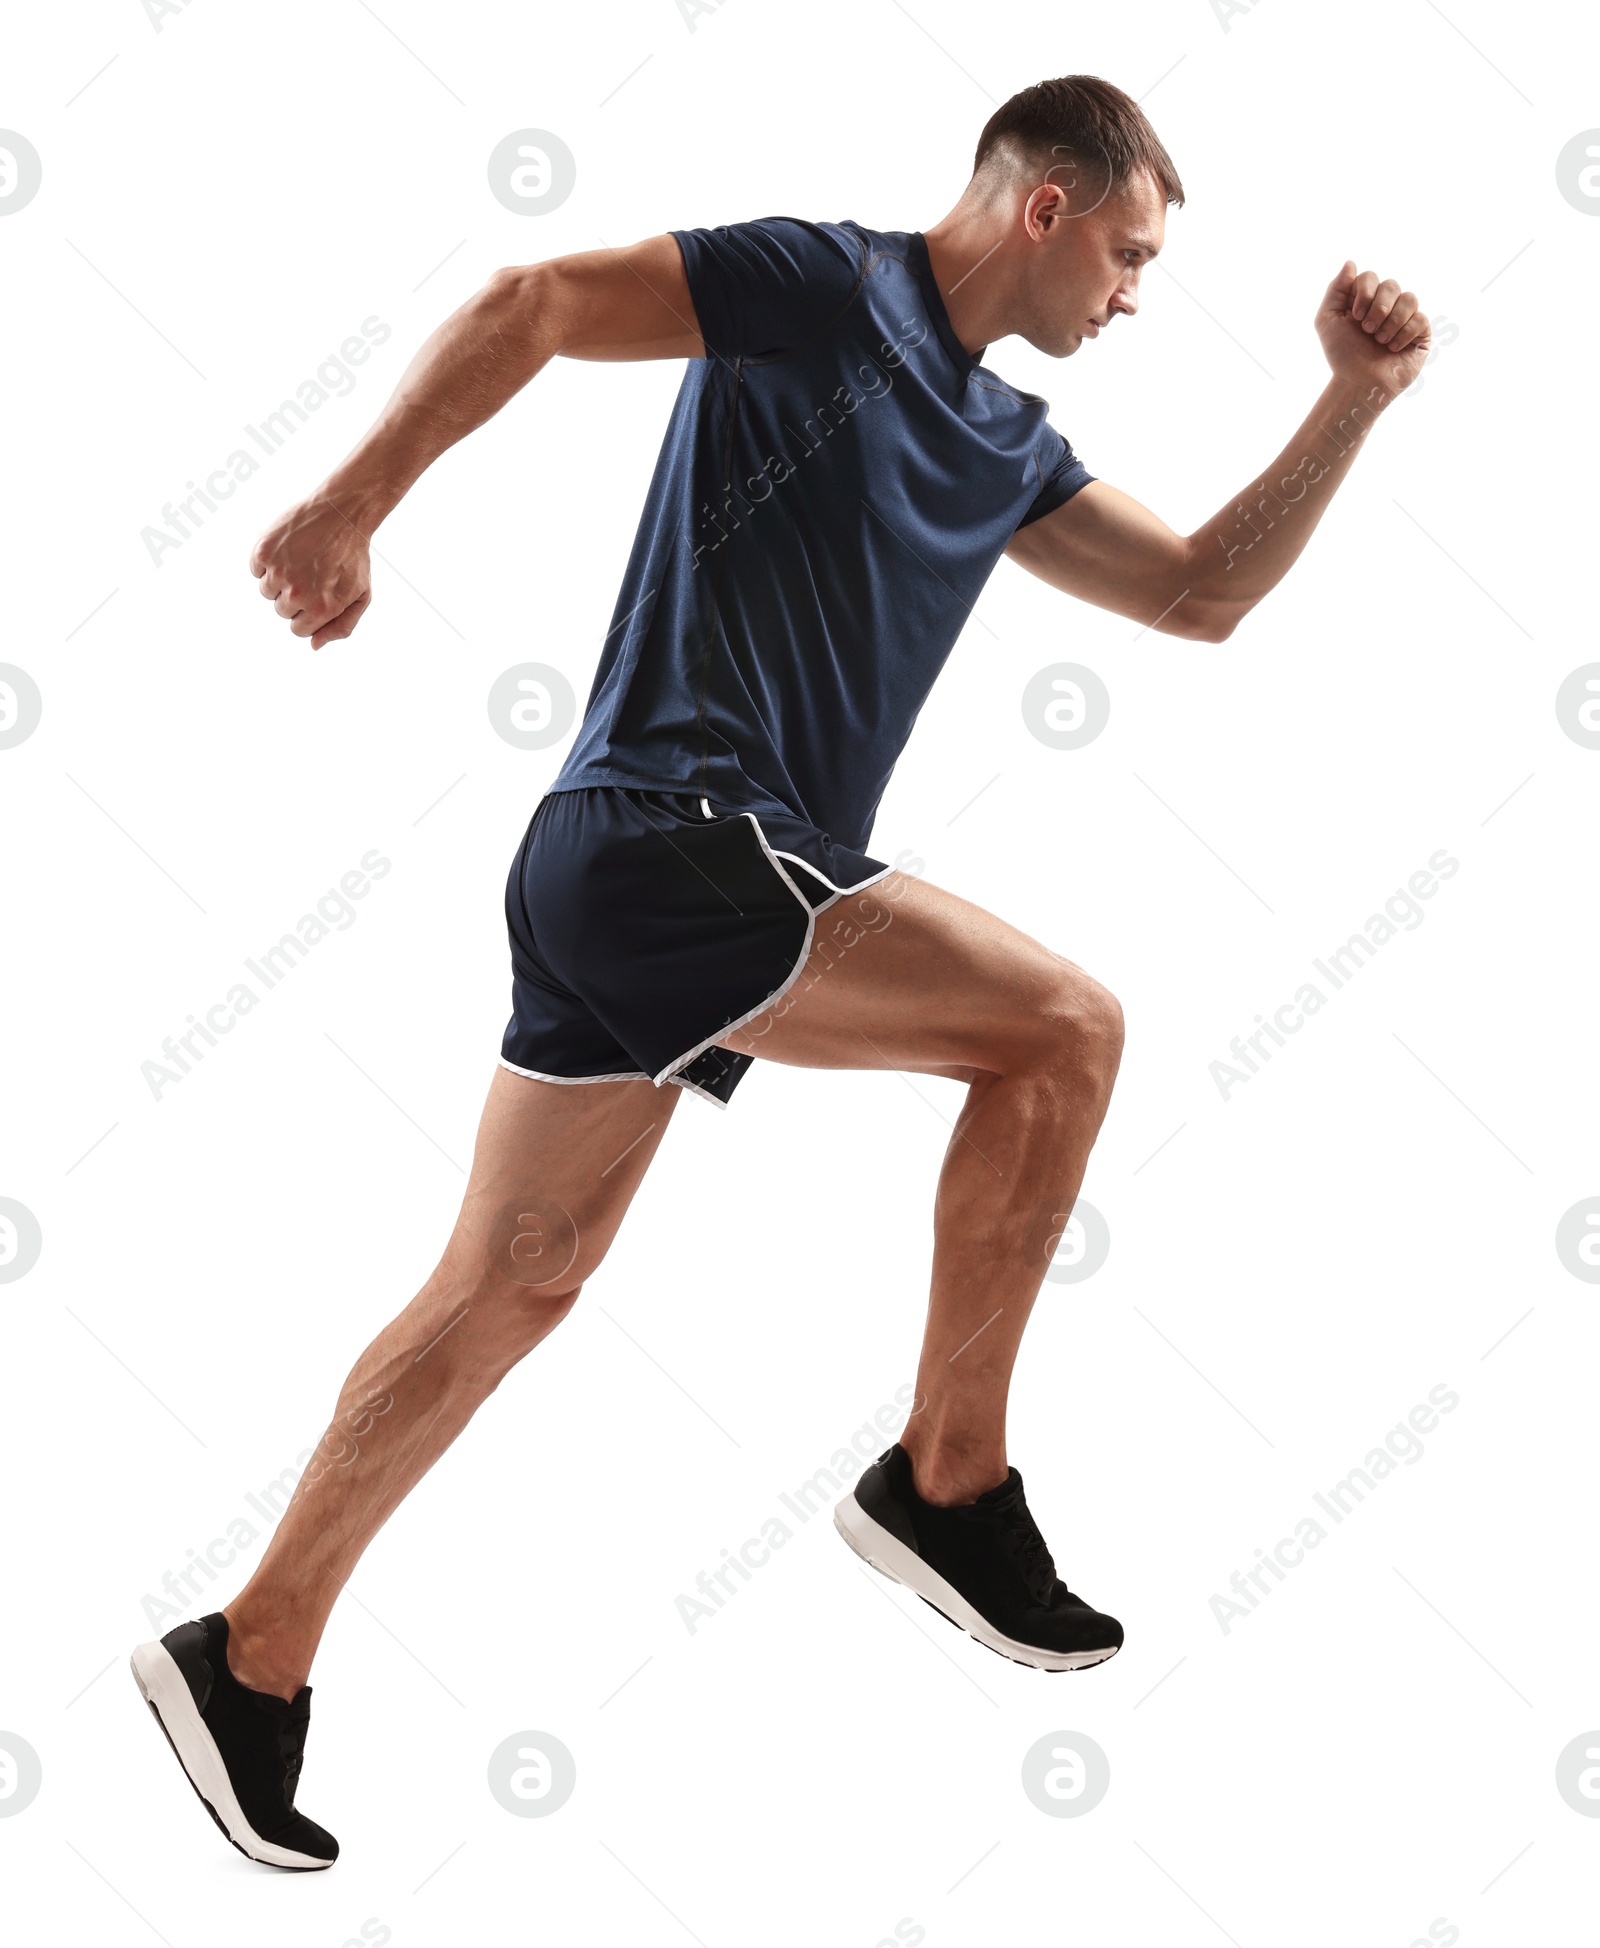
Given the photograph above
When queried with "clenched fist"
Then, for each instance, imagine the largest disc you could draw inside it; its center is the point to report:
(313, 567)
(1373, 332)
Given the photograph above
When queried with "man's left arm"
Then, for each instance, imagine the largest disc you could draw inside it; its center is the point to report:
(1104, 547)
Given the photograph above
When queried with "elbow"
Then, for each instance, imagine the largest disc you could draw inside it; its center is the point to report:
(523, 283)
(1208, 622)
(1212, 605)
(524, 298)
(511, 285)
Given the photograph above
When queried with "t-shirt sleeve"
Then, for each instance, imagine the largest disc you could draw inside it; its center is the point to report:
(767, 286)
(1061, 474)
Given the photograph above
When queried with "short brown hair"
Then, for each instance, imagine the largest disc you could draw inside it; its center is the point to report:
(1088, 117)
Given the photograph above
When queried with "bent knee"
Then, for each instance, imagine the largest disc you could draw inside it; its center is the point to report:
(1083, 1030)
(540, 1305)
(494, 1319)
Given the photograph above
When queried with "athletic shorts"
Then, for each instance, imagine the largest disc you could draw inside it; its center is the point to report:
(646, 925)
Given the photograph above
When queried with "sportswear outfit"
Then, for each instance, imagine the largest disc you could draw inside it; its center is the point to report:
(837, 481)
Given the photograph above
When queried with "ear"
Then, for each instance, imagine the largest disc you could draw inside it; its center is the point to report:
(1047, 206)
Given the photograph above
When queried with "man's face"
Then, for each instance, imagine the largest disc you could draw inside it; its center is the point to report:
(1084, 268)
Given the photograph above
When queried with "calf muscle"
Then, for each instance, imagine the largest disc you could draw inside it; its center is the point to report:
(553, 1171)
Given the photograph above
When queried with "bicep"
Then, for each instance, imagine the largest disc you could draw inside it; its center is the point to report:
(628, 303)
(1105, 547)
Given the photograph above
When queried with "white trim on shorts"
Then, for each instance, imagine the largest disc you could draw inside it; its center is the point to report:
(622, 1075)
(668, 1074)
(838, 891)
(694, 1089)
(538, 1075)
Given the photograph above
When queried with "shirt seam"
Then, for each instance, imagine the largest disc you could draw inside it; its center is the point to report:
(1009, 391)
(1028, 515)
(715, 616)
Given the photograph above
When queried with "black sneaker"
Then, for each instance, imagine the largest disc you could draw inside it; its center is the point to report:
(982, 1564)
(241, 1748)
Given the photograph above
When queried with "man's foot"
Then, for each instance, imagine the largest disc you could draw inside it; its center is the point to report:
(982, 1564)
(241, 1748)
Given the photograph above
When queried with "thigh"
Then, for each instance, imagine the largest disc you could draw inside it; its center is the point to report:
(909, 976)
(554, 1169)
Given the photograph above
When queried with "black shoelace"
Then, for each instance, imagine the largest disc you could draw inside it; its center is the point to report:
(1029, 1549)
(291, 1747)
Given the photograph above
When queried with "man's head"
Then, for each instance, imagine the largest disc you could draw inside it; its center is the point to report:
(1076, 180)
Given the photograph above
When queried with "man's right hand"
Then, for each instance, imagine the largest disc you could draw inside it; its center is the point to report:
(312, 566)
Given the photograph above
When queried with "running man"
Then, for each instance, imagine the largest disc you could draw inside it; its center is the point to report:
(840, 475)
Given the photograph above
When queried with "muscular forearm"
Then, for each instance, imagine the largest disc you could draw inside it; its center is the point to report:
(1250, 543)
(477, 360)
(1104, 547)
(313, 564)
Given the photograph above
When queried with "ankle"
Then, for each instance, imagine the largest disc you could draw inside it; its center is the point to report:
(256, 1659)
(948, 1474)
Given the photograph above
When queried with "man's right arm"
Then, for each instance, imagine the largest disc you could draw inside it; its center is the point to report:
(312, 563)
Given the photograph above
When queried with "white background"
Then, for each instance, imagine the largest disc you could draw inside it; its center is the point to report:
(1372, 1749)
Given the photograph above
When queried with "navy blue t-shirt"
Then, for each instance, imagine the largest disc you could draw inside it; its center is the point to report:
(838, 480)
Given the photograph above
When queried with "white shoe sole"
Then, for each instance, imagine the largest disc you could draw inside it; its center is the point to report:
(890, 1557)
(167, 1693)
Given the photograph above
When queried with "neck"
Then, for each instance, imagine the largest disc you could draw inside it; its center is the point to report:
(971, 265)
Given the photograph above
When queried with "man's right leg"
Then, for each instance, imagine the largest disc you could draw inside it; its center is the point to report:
(554, 1169)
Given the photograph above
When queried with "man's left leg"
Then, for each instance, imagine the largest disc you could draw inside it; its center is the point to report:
(553, 1171)
(906, 976)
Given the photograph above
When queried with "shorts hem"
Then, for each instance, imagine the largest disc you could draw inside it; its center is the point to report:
(538, 1075)
(694, 1089)
(837, 892)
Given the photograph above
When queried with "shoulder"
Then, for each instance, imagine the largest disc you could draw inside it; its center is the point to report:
(799, 245)
(771, 284)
